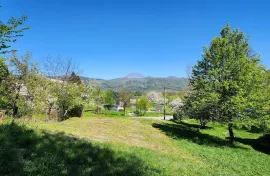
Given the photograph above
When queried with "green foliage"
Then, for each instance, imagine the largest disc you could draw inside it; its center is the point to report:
(179, 115)
(3, 84)
(73, 78)
(3, 70)
(228, 83)
(66, 97)
(137, 93)
(109, 98)
(261, 125)
(20, 84)
(124, 97)
(144, 84)
(201, 105)
(10, 31)
(142, 106)
(267, 94)
(26, 91)
(97, 95)
(69, 99)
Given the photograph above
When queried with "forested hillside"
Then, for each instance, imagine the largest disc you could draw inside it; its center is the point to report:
(143, 84)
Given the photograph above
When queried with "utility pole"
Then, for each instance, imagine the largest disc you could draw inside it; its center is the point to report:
(164, 104)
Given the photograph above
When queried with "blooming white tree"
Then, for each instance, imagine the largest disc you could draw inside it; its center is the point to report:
(175, 104)
(156, 97)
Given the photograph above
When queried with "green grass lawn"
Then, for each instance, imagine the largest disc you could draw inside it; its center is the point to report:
(157, 114)
(104, 113)
(114, 114)
(126, 146)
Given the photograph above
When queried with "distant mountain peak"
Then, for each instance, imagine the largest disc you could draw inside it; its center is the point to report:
(134, 75)
(172, 77)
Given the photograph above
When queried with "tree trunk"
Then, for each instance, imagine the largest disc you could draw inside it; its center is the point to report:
(230, 128)
(15, 107)
(15, 110)
(49, 113)
(125, 111)
(202, 123)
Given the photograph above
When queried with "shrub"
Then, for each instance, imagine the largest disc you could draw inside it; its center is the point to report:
(76, 111)
(254, 126)
(177, 116)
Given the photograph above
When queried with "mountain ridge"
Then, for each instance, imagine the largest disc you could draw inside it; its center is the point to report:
(138, 82)
(134, 75)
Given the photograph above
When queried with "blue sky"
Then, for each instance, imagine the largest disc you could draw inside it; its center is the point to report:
(111, 38)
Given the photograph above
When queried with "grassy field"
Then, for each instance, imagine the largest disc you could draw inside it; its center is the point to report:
(107, 113)
(125, 146)
(157, 114)
(104, 113)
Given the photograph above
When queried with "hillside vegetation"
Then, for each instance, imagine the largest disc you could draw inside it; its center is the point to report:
(221, 120)
(143, 84)
(124, 146)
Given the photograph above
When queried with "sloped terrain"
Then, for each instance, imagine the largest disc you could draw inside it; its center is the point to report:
(125, 146)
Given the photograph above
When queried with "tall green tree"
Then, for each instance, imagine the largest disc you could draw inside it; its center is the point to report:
(10, 31)
(125, 96)
(22, 82)
(3, 70)
(97, 99)
(232, 75)
(4, 73)
(142, 105)
(64, 93)
(109, 98)
(267, 94)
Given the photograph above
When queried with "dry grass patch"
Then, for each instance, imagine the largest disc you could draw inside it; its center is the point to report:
(128, 131)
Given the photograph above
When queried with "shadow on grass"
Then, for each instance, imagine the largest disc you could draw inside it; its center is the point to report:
(197, 126)
(262, 144)
(188, 132)
(26, 152)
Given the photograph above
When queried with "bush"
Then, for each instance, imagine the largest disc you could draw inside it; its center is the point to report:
(177, 116)
(254, 126)
(76, 111)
